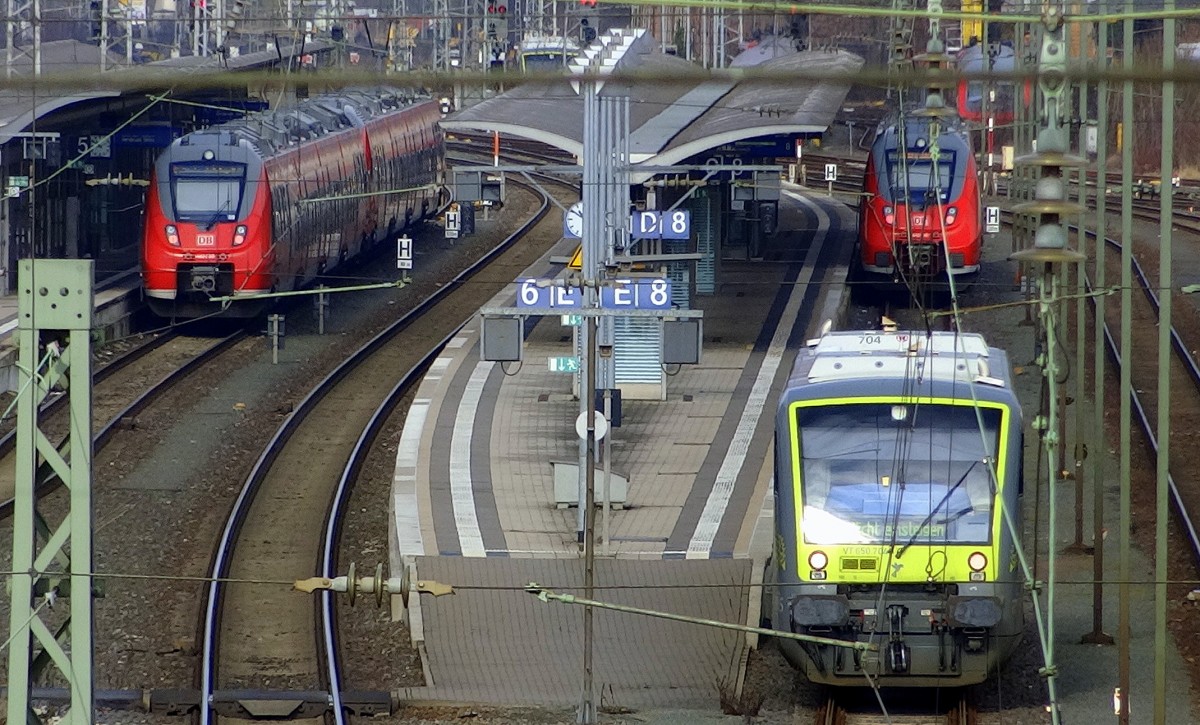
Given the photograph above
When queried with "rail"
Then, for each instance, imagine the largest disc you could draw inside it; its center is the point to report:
(227, 543)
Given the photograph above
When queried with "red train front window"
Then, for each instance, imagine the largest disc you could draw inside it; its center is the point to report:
(915, 177)
(207, 192)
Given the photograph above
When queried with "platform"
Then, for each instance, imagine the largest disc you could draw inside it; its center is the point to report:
(474, 504)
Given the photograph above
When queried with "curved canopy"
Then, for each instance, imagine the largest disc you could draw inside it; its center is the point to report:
(673, 122)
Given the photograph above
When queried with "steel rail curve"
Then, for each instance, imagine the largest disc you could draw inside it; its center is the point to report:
(1190, 364)
(139, 403)
(1193, 371)
(9, 440)
(223, 557)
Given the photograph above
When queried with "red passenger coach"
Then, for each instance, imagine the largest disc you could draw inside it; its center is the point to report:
(920, 215)
(268, 202)
(1002, 96)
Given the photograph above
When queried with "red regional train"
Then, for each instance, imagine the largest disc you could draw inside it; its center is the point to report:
(1001, 106)
(920, 216)
(268, 202)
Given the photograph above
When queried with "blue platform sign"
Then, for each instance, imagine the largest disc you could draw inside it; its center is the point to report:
(154, 136)
(639, 294)
(222, 110)
(621, 294)
(674, 224)
(542, 295)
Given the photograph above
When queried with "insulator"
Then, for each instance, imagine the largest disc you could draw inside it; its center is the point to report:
(1060, 207)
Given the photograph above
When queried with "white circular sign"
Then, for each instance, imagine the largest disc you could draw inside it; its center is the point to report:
(601, 425)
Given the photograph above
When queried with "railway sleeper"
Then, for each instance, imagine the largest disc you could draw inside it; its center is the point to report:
(242, 704)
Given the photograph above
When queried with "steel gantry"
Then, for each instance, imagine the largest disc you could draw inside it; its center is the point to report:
(23, 24)
(900, 54)
(1050, 207)
(53, 562)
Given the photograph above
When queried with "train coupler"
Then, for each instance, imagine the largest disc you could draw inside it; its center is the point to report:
(899, 660)
(975, 638)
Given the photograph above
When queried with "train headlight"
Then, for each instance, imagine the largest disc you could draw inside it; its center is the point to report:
(978, 562)
(889, 215)
(818, 560)
(172, 235)
(951, 213)
(239, 235)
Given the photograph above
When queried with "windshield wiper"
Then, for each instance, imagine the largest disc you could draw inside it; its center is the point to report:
(956, 516)
(220, 212)
(843, 454)
(935, 509)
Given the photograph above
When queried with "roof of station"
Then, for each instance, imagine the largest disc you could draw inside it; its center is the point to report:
(21, 107)
(672, 122)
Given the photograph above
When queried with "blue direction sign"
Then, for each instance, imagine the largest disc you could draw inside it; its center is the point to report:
(620, 294)
(675, 224)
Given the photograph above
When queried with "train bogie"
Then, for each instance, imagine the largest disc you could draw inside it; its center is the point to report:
(897, 485)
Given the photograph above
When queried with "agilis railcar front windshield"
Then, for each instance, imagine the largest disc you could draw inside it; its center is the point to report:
(896, 472)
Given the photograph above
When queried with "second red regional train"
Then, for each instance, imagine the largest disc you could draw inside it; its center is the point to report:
(268, 202)
(920, 218)
(1001, 96)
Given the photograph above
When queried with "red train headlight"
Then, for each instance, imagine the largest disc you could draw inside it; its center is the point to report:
(239, 235)
(889, 215)
(172, 235)
(951, 213)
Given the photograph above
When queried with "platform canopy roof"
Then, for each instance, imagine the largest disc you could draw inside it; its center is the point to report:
(21, 108)
(672, 122)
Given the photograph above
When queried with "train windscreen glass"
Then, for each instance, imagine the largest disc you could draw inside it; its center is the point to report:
(921, 176)
(878, 473)
(207, 193)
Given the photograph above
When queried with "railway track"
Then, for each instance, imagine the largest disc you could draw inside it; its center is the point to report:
(285, 522)
(1185, 378)
(121, 390)
(914, 708)
(1185, 375)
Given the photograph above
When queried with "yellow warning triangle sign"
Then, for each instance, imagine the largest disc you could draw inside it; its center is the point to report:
(577, 259)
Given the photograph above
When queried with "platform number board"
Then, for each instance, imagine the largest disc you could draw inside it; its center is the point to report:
(992, 220)
(620, 294)
(831, 172)
(674, 224)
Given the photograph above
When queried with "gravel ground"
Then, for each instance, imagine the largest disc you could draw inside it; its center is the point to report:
(161, 491)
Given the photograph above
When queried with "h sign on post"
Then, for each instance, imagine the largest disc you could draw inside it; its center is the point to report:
(404, 253)
(831, 172)
(992, 220)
